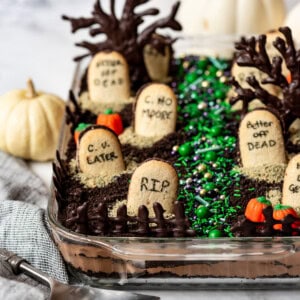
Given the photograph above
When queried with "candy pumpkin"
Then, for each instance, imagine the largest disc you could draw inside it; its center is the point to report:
(111, 120)
(255, 207)
(30, 123)
(289, 78)
(79, 129)
(280, 212)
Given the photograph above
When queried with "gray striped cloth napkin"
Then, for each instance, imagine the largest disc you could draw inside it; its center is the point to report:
(24, 230)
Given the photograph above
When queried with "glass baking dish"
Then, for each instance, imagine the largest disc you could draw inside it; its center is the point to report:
(174, 263)
(178, 262)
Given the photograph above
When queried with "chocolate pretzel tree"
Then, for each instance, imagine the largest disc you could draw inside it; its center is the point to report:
(122, 33)
(252, 53)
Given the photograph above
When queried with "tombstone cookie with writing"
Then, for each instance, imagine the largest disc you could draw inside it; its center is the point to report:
(108, 78)
(99, 152)
(156, 111)
(291, 184)
(153, 181)
(261, 140)
(157, 62)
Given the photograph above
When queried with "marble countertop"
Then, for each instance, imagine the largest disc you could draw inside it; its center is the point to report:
(36, 43)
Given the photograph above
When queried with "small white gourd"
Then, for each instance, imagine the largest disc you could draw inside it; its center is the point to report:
(30, 123)
(293, 21)
(231, 17)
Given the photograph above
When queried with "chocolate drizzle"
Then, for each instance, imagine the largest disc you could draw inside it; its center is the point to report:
(60, 173)
(77, 219)
(248, 55)
(122, 34)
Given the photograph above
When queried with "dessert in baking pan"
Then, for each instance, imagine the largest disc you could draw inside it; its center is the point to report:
(167, 161)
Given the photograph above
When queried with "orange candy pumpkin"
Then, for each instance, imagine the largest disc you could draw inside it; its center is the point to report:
(79, 129)
(111, 120)
(255, 207)
(280, 212)
(289, 78)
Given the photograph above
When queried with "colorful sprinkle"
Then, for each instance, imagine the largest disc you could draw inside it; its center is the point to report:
(205, 173)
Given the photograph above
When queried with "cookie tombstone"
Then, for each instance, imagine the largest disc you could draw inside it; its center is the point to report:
(108, 78)
(261, 140)
(157, 62)
(156, 111)
(153, 181)
(291, 184)
(99, 153)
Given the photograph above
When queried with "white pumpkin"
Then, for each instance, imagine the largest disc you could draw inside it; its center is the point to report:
(30, 123)
(293, 21)
(231, 17)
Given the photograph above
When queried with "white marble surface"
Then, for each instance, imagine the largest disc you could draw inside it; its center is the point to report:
(36, 43)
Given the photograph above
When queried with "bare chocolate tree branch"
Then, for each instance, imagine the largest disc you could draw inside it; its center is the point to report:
(122, 34)
(130, 5)
(263, 95)
(168, 22)
(252, 53)
(148, 12)
(79, 23)
(245, 95)
(287, 50)
(100, 16)
(113, 11)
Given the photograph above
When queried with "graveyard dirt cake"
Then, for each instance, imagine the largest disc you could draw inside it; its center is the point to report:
(208, 151)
